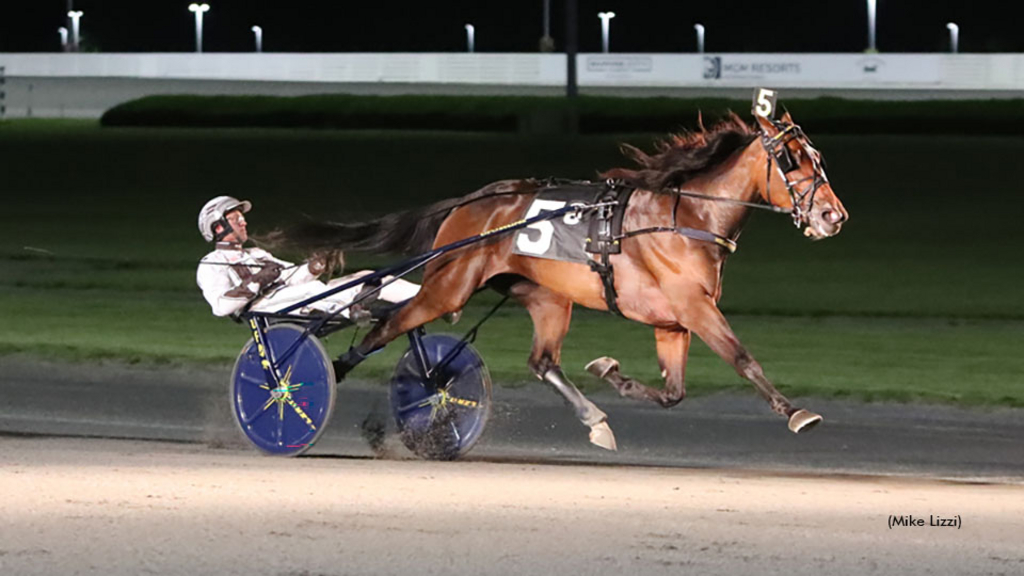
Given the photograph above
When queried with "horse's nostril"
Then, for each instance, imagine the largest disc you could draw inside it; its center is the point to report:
(831, 216)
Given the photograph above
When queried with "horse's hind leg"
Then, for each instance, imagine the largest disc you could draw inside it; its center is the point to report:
(445, 290)
(673, 347)
(551, 314)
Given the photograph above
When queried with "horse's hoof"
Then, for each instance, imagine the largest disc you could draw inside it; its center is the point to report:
(803, 420)
(600, 367)
(601, 435)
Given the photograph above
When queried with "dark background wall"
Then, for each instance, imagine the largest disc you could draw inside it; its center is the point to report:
(516, 25)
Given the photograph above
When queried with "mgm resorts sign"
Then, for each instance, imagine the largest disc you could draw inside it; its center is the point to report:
(739, 68)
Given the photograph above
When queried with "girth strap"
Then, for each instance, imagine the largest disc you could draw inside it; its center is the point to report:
(604, 235)
(606, 272)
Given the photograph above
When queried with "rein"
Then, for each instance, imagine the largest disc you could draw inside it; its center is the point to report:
(702, 235)
(769, 207)
(694, 233)
(775, 147)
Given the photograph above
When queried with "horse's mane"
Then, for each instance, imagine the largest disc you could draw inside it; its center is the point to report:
(683, 156)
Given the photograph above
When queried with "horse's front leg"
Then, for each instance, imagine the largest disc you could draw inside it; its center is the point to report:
(673, 347)
(708, 322)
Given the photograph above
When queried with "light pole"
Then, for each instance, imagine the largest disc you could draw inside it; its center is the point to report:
(871, 25)
(258, 31)
(63, 38)
(547, 43)
(75, 16)
(67, 24)
(700, 37)
(954, 37)
(605, 26)
(199, 10)
(470, 37)
(572, 30)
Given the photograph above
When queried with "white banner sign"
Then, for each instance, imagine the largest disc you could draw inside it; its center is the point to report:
(730, 70)
(812, 70)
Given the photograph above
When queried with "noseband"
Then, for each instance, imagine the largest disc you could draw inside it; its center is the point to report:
(780, 154)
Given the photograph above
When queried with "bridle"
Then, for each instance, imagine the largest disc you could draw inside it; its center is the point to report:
(779, 153)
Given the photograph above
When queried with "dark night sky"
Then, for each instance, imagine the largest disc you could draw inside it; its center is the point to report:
(515, 25)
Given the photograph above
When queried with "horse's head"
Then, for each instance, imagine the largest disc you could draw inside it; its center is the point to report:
(795, 177)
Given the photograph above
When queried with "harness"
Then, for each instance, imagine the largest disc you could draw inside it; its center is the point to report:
(605, 232)
(605, 235)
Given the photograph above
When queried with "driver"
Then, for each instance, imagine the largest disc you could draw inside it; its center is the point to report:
(233, 276)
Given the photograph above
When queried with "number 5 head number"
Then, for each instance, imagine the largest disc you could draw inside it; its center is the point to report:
(764, 103)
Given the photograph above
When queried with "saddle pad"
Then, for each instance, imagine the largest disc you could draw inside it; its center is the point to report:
(563, 238)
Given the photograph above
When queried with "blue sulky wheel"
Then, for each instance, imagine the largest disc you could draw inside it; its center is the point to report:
(441, 416)
(286, 419)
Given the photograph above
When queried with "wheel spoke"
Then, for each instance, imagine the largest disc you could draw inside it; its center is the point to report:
(287, 375)
(252, 418)
(294, 360)
(299, 355)
(454, 382)
(437, 409)
(455, 429)
(280, 426)
(417, 404)
(253, 379)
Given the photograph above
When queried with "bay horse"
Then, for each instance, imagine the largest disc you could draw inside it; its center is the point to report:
(707, 180)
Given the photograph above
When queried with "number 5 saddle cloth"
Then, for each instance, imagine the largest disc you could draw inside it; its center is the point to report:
(576, 235)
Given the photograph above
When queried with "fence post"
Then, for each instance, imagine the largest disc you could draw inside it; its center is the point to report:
(3, 92)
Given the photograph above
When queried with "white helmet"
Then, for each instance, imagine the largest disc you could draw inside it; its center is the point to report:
(213, 213)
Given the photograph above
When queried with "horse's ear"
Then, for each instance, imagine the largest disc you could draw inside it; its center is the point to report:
(786, 118)
(765, 124)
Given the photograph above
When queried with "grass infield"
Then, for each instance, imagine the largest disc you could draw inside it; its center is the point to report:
(918, 298)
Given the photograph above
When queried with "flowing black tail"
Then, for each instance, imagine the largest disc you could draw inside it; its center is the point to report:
(409, 232)
(401, 232)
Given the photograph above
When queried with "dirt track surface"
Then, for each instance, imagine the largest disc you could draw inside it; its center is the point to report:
(190, 404)
(716, 486)
(113, 507)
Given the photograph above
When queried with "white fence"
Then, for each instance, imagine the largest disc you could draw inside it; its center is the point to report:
(730, 70)
(85, 85)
